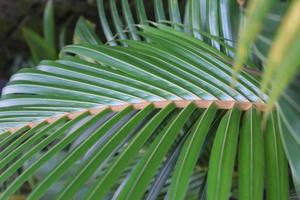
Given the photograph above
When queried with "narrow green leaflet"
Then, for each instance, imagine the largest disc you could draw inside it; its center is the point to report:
(174, 13)
(11, 137)
(213, 21)
(31, 147)
(20, 138)
(164, 173)
(222, 158)
(159, 10)
(128, 154)
(291, 66)
(277, 180)
(4, 135)
(195, 17)
(49, 25)
(46, 157)
(140, 177)
(141, 12)
(39, 47)
(76, 154)
(117, 20)
(84, 33)
(187, 19)
(288, 121)
(102, 153)
(104, 23)
(251, 157)
(190, 154)
(256, 11)
(131, 26)
(227, 29)
(63, 33)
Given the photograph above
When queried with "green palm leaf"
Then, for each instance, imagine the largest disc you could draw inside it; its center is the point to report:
(154, 117)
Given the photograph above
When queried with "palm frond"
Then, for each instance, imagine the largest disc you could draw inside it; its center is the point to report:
(152, 118)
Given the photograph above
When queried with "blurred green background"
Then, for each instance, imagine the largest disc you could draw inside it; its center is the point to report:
(14, 15)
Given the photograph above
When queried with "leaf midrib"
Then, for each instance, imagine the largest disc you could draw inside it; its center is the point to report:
(226, 105)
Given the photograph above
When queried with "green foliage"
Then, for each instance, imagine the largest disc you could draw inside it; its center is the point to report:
(84, 33)
(46, 46)
(39, 47)
(43, 47)
(222, 156)
(283, 55)
(48, 24)
(150, 114)
(256, 12)
(251, 157)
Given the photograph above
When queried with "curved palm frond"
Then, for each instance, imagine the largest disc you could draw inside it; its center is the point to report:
(139, 73)
(153, 117)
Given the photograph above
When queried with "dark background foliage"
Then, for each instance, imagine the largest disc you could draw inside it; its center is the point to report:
(14, 15)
